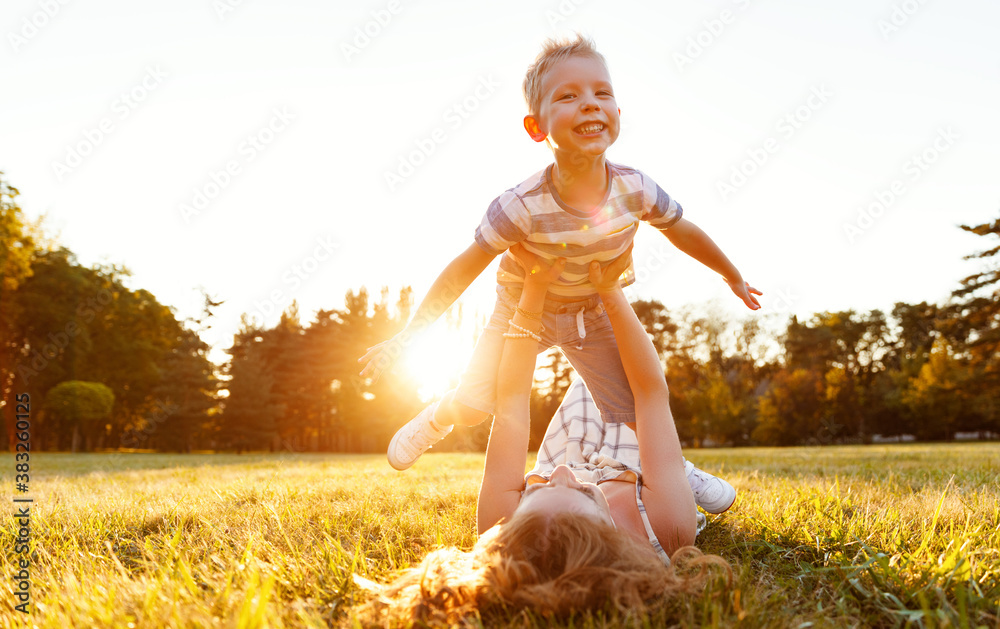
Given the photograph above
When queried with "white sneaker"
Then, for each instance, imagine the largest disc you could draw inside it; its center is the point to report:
(415, 438)
(711, 493)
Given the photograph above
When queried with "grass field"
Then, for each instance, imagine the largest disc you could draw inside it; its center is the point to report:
(873, 536)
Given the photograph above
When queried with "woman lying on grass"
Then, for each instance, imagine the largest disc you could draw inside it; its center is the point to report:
(559, 543)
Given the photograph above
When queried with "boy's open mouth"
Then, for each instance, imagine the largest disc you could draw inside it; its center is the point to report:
(589, 128)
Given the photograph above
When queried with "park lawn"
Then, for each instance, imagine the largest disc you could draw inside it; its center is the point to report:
(865, 536)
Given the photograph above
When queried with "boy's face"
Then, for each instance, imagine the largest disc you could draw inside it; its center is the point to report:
(578, 113)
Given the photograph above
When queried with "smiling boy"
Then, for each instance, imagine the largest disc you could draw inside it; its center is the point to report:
(582, 208)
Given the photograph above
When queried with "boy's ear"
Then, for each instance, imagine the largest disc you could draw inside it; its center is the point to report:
(534, 131)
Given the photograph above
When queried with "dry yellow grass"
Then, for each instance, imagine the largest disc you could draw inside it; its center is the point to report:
(854, 536)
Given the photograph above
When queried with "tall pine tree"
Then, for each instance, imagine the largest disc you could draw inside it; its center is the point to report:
(251, 411)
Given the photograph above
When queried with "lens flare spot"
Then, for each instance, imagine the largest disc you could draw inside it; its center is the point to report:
(435, 361)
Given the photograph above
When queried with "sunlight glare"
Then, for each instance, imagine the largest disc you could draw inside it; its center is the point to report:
(437, 359)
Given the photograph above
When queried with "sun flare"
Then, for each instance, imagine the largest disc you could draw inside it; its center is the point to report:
(436, 360)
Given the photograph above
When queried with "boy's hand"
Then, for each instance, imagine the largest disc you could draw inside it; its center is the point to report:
(381, 357)
(605, 280)
(536, 268)
(744, 291)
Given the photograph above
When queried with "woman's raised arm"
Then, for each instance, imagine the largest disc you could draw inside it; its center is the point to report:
(666, 492)
(507, 452)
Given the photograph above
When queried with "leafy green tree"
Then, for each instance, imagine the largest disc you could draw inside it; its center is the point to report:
(132, 337)
(974, 319)
(17, 249)
(78, 323)
(16, 244)
(315, 397)
(791, 410)
(660, 327)
(979, 297)
(186, 394)
(306, 375)
(546, 395)
(845, 350)
(61, 321)
(393, 399)
(304, 361)
(52, 334)
(281, 350)
(716, 370)
(251, 410)
(915, 329)
(939, 397)
(358, 331)
(323, 341)
(82, 407)
(810, 345)
(684, 379)
(694, 343)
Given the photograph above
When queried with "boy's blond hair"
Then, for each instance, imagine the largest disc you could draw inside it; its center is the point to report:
(554, 51)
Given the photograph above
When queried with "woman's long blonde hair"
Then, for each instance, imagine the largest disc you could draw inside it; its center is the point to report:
(551, 564)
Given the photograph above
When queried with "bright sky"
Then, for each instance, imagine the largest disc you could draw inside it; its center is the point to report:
(244, 146)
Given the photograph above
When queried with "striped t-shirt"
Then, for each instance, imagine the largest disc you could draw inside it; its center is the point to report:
(533, 214)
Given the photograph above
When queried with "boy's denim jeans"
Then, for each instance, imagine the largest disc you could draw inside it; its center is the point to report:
(580, 329)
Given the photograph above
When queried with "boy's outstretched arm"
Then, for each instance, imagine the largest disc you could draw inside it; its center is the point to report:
(690, 239)
(448, 287)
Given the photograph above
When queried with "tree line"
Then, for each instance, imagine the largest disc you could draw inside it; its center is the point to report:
(108, 366)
